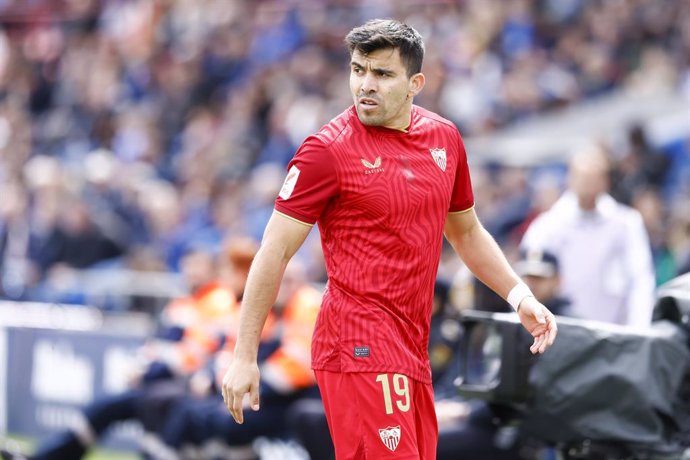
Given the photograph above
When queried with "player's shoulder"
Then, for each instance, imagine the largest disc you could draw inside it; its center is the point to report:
(334, 129)
(434, 120)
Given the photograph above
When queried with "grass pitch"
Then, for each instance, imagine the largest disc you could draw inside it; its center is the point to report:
(27, 445)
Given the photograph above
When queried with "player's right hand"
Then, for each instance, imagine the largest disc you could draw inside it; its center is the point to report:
(242, 377)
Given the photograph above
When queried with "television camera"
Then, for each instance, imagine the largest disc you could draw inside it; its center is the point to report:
(601, 392)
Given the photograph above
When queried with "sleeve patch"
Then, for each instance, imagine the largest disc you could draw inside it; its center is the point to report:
(290, 182)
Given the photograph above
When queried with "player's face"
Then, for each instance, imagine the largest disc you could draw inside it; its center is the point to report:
(381, 89)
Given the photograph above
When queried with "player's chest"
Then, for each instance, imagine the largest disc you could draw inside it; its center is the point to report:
(398, 176)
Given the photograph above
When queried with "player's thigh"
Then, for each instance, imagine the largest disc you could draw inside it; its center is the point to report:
(425, 420)
(375, 416)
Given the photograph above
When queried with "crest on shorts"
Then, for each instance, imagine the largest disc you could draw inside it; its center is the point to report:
(390, 436)
(439, 156)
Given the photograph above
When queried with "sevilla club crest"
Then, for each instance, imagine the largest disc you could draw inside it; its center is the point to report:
(390, 437)
(439, 156)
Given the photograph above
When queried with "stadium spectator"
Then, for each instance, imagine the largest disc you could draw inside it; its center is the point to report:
(540, 270)
(193, 327)
(194, 423)
(649, 203)
(642, 167)
(239, 252)
(679, 237)
(601, 245)
(77, 241)
(17, 271)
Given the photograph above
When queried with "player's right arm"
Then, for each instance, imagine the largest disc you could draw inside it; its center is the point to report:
(311, 183)
(282, 238)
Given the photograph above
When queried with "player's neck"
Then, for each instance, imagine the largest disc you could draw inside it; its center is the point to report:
(402, 127)
(403, 122)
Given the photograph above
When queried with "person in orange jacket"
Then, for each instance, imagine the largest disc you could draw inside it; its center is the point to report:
(286, 372)
(194, 327)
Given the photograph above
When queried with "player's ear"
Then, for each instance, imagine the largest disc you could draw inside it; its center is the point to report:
(416, 84)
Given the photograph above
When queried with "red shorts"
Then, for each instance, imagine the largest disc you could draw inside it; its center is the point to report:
(379, 416)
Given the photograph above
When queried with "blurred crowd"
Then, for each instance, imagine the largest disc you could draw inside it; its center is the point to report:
(131, 130)
(152, 136)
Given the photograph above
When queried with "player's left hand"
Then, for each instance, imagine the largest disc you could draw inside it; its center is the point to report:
(539, 322)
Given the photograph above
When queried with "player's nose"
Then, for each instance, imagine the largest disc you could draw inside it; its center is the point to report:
(369, 84)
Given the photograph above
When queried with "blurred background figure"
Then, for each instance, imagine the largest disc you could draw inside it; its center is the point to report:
(602, 246)
(18, 272)
(540, 271)
(238, 253)
(202, 420)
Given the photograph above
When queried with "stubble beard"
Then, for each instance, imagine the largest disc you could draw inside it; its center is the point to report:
(371, 120)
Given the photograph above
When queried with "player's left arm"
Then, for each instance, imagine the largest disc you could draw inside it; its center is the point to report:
(482, 255)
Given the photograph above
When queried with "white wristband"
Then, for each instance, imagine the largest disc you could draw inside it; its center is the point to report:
(516, 295)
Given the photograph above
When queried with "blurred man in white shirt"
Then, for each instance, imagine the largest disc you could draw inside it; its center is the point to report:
(602, 247)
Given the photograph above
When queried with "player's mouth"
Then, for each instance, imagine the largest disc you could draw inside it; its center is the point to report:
(366, 103)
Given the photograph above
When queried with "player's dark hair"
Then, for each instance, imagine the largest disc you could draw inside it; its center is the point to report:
(388, 33)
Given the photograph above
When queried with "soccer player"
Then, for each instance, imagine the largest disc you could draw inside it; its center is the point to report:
(384, 180)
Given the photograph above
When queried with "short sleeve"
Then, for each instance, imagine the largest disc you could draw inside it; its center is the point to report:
(462, 198)
(310, 184)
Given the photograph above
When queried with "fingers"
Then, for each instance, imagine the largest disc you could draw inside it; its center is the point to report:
(546, 336)
(543, 345)
(233, 401)
(235, 407)
(241, 378)
(254, 397)
(229, 400)
(536, 346)
(552, 329)
(225, 395)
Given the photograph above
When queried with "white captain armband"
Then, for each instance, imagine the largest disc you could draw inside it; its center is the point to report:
(516, 295)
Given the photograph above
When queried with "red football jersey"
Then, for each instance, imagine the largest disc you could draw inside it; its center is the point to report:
(380, 198)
